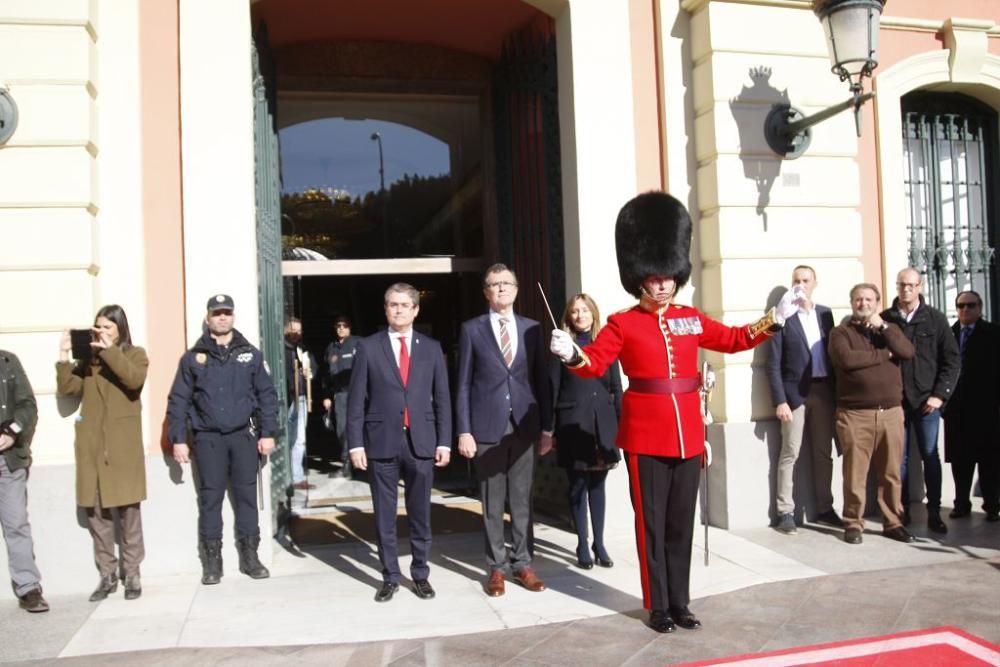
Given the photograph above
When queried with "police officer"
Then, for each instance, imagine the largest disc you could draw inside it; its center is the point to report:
(223, 391)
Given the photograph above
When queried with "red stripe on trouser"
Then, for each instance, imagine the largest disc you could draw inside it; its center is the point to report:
(640, 526)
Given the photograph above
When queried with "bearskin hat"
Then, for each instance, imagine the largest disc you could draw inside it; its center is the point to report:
(653, 238)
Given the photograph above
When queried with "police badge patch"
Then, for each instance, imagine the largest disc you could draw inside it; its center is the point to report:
(244, 357)
(201, 358)
(684, 326)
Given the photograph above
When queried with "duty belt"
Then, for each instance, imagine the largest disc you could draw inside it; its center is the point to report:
(664, 385)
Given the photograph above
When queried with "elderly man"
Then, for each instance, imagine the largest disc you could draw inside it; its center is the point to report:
(928, 380)
(865, 352)
(501, 396)
(970, 418)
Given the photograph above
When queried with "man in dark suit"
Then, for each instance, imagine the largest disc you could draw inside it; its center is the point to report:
(399, 425)
(801, 379)
(970, 417)
(501, 395)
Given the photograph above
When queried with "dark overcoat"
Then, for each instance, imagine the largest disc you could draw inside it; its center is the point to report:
(971, 419)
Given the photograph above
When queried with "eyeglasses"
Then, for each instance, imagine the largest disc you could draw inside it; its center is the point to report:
(905, 285)
(966, 304)
(501, 283)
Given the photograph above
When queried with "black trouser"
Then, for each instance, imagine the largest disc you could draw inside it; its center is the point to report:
(664, 495)
(340, 424)
(228, 459)
(962, 470)
(506, 470)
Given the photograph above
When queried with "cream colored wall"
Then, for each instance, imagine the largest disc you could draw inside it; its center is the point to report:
(597, 136)
(69, 198)
(220, 245)
(810, 214)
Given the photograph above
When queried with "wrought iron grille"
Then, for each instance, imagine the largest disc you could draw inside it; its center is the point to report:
(269, 284)
(948, 147)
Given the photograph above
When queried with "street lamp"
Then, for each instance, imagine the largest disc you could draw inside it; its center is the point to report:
(381, 193)
(851, 28)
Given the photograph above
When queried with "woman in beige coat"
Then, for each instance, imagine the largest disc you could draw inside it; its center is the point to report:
(110, 459)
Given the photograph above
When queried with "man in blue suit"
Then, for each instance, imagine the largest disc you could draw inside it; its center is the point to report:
(399, 425)
(801, 379)
(501, 395)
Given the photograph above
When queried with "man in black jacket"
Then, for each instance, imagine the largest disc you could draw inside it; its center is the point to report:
(928, 381)
(18, 415)
(970, 418)
(224, 393)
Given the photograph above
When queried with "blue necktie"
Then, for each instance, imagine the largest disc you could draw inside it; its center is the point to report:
(963, 340)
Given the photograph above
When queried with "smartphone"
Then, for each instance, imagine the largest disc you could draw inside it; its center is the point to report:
(80, 338)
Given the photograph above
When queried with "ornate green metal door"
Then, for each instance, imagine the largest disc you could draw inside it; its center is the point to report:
(269, 288)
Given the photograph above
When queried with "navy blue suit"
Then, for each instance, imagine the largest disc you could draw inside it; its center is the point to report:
(789, 361)
(376, 404)
(502, 408)
(811, 400)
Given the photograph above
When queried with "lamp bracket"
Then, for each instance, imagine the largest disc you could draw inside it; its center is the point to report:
(787, 130)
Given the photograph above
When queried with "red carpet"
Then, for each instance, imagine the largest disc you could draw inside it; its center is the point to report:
(936, 647)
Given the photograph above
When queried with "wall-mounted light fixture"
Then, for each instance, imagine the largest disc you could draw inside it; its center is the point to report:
(8, 116)
(851, 28)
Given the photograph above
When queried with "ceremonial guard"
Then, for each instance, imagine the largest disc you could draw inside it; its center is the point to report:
(224, 394)
(661, 429)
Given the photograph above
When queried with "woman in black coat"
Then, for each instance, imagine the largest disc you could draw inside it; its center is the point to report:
(586, 413)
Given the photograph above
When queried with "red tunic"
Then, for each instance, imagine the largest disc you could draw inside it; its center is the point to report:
(655, 345)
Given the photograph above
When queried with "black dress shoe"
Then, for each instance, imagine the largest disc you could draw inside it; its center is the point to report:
(684, 618)
(585, 564)
(422, 588)
(661, 621)
(852, 536)
(899, 534)
(385, 593)
(959, 513)
(935, 524)
(993, 517)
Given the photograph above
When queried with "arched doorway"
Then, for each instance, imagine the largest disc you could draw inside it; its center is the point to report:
(417, 143)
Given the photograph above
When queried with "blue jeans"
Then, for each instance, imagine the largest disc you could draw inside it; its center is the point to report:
(925, 428)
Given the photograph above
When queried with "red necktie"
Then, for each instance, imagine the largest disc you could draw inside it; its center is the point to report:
(404, 373)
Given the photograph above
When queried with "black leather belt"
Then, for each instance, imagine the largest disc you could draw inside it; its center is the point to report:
(664, 385)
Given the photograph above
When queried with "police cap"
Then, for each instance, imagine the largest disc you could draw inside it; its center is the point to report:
(220, 302)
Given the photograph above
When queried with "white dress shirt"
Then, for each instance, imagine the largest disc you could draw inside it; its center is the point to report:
(814, 339)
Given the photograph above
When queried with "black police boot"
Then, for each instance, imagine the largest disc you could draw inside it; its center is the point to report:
(249, 563)
(210, 552)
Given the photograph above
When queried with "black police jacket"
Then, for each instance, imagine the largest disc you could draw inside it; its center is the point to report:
(219, 389)
(934, 369)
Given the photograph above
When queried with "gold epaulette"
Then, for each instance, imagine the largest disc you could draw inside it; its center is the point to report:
(764, 326)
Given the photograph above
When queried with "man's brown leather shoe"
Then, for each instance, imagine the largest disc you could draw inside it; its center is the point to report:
(527, 578)
(495, 585)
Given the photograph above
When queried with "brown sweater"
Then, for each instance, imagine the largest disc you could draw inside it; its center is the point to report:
(867, 374)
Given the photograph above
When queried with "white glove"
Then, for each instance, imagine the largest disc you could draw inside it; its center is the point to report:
(561, 344)
(708, 454)
(789, 304)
